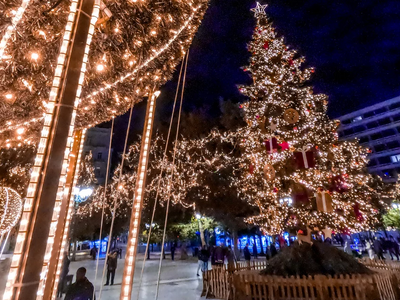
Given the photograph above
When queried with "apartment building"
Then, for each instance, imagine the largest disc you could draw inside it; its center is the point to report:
(378, 128)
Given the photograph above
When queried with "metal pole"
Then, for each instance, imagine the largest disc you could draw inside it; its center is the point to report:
(61, 225)
(29, 267)
(131, 250)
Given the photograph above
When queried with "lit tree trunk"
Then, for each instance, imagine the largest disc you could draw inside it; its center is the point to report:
(203, 239)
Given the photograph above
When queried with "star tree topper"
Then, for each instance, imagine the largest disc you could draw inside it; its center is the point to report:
(259, 10)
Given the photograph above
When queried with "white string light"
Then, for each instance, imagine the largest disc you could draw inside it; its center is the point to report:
(11, 28)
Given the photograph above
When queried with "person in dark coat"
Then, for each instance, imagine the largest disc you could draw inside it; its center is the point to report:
(82, 289)
(394, 248)
(93, 252)
(247, 255)
(173, 248)
(273, 250)
(204, 256)
(112, 260)
(378, 248)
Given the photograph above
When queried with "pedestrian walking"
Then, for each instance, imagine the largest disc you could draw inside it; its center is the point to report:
(247, 255)
(394, 248)
(173, 248)
(112, 260)
(347, 248)
(93, 252)
(120, 253)
(378, 248)
(204, 256)
(368, 247)
(82, 289)
(255, 249)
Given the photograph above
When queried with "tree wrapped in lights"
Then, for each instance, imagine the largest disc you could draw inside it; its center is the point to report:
(10, 209)
(86, 176)
(294, 169)
(136, 47)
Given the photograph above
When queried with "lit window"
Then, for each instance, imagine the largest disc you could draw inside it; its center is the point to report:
(395, 158)
(359, 118)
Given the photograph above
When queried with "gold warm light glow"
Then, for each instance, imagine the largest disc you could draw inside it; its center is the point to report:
(109, 72)
(28, 206)
(288, 150)
(133, 237)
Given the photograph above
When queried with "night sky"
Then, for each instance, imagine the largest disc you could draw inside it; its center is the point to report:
(354, 46)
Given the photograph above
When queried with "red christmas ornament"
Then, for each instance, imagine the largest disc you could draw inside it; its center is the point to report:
(291, 62)
(271, 145)
(266, 45)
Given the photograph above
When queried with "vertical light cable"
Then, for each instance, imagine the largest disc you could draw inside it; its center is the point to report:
(64, 243)
(172, 175)
(102, 205)
(129, 267)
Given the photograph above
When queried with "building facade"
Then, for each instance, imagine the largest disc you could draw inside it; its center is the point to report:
(378, 128)
(97, 141)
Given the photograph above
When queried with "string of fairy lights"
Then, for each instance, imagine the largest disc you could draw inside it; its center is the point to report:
(138, 40)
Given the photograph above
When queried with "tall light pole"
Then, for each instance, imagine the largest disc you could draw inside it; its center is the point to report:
(46, 195)
(133, 235)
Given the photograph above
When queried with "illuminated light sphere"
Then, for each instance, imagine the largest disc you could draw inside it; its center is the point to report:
(10, 209)
(100, 68)
(34, 56)
(9, 96)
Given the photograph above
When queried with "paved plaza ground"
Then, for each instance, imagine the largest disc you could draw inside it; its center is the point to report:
(178, 278)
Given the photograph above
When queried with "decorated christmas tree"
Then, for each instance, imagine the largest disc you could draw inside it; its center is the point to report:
(294, 168)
